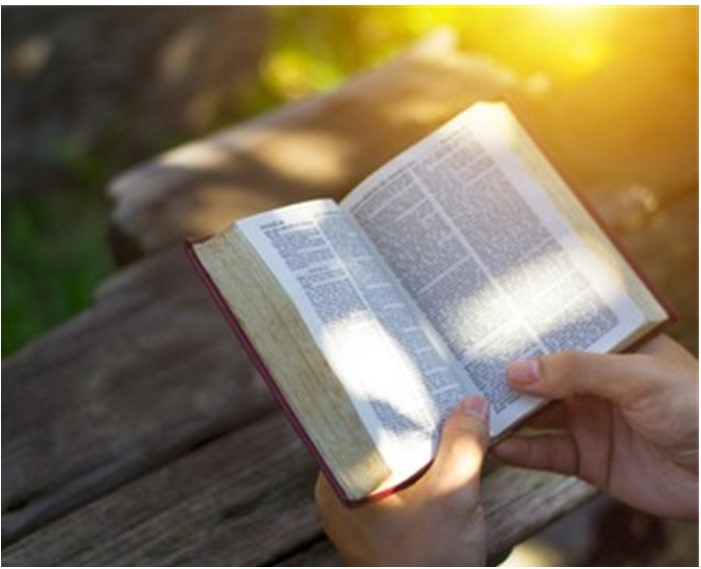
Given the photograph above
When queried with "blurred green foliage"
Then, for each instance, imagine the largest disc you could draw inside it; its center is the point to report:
(54, 254)
(313, 48)
(55, 251)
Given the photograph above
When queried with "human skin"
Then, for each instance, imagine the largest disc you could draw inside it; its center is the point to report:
(437, 521)
(626, 423)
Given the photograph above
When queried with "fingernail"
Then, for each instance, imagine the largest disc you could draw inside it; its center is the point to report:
(475, 405)
(523, 373)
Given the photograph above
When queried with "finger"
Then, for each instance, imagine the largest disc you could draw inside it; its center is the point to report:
(324, 495)
(669, 353)
(658, 345)
(464, 441)
(557, 453)
(619, 378)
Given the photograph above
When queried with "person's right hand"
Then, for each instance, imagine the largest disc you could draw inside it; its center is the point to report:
(627, 424)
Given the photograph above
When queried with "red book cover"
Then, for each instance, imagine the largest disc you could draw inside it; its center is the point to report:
(265, 373)
(262, 368)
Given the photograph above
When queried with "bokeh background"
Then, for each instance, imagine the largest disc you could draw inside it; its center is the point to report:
(88, 92)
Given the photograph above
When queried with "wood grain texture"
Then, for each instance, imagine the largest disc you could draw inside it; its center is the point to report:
(320, 553)
(68, 450)
(245, 499)
(325, 145)
(102, 418)
(111, 395)
(320, 147)
(517, 502)
(147, 373)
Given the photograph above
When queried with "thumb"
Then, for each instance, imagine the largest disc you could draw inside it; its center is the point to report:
(464, 441)
(620, 378)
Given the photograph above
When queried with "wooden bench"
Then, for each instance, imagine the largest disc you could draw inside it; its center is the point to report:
(137, 433)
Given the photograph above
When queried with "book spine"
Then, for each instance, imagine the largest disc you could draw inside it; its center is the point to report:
(259, 365)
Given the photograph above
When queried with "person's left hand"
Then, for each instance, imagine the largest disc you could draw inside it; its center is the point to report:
(438, 520)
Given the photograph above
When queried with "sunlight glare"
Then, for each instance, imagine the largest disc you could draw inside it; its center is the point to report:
(576, 36)
(357, 348)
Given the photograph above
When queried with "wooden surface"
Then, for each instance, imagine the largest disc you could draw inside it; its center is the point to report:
(210, 508)
(146, 374)
(137, 434)
(320, 147)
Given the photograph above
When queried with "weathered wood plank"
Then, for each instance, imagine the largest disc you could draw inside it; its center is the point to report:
(118, 391)
(538, 499)
(320, 554)
(148, 372)
(320, 147)
(245, 499)
(518, 503)
(323, 146)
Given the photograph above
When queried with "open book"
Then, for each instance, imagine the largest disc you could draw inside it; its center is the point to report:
(372, 318)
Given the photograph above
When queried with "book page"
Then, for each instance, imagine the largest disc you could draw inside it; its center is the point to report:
(366, 326)
(491, 261)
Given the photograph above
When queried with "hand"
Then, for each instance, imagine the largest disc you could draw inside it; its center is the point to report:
(438, 520)
(627, 424)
